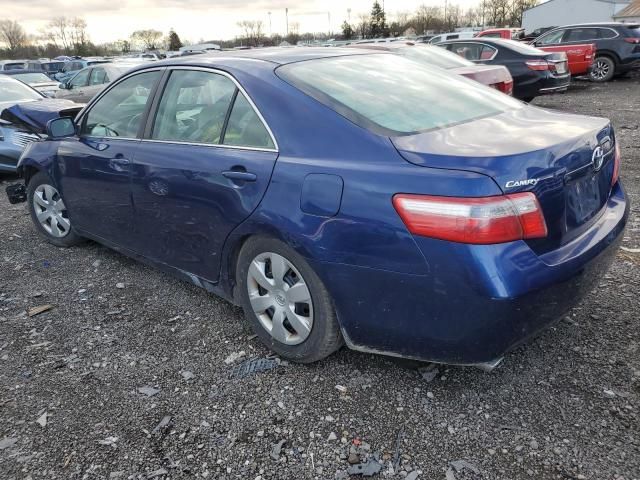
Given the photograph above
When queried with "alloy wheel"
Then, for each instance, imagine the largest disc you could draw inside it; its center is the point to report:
(280, 298)
(51, 211)
(600, 70)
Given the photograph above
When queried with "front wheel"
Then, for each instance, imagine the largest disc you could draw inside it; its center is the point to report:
(49, 212)
(604, 68)
(285, 302)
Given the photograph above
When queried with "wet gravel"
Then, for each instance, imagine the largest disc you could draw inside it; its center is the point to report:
(128, 375)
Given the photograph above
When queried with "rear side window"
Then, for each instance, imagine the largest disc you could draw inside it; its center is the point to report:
(392, 95)
(81, 78)
(98, 76)
(582, 34)
(474, 52)
(608, 33)
(245, 129)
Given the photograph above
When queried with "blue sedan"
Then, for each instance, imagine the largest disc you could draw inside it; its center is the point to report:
(341, 196)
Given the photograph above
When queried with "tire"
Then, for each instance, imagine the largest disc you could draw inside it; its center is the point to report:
(43, 198)
(604, 68)
(314, 333)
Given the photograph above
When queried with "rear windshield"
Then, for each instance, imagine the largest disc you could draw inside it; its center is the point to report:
(393, 95)
(436, 56)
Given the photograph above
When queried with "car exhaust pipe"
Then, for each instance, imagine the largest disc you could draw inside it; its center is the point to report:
(489, 366)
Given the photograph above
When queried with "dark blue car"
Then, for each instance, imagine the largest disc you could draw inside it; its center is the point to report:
(341, 196)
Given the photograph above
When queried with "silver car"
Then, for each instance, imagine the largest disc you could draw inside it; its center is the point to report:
(85, 84)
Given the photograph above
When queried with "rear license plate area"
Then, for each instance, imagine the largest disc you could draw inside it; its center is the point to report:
(585, 197)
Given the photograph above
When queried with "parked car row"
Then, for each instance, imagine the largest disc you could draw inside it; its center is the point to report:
(343, 196)
(600, 50)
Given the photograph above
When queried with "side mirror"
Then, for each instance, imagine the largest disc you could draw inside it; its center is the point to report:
(64, 86)
(61, 128)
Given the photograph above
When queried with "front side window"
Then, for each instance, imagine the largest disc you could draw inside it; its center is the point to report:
(119, 112)
(551, 39)
(194, 107)
(493, 35)
(393, 95)
(80, 79)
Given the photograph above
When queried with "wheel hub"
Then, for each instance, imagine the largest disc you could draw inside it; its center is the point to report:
(51, 211)
(280, 298)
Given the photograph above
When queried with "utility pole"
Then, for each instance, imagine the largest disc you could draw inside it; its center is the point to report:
(349, 15)
(286, 15)
(329, 18)
(445, 14)
(270, 32)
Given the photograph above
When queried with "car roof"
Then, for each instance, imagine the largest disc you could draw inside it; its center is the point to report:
(601, 24)
(20, 72)
(274, 55)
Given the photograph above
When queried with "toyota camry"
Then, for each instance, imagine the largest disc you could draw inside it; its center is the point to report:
(341, 196)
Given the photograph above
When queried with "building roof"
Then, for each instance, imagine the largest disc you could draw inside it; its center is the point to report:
(631, 10)
(551, 1)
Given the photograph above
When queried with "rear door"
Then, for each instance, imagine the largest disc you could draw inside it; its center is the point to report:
(202, 168)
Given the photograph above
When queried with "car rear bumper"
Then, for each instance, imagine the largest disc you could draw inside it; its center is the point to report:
(478, 301)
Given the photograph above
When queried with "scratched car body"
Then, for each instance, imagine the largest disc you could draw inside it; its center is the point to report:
(412, 212)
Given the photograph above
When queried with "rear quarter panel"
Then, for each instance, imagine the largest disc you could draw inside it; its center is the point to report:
(580, 56)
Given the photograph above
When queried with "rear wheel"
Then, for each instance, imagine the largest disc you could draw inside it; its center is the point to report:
(285, 301)
(49, 212)
(604, 68)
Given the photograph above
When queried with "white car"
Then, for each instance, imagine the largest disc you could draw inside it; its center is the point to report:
(443, 37)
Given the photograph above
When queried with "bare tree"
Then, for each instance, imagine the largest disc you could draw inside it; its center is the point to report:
(252, 31)
(427, 18)
(57, 31)
(149, 38)
(363, 25)
(12, 33)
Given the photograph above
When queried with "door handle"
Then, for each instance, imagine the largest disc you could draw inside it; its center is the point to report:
(240, 175)
(120, 161)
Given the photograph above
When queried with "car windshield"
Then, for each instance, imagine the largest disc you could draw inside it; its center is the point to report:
(13, 91)
(393, 95)
(32, 77)
(434, 56)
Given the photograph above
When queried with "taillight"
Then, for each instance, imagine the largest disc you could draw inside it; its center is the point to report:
(507, 87)
(480, 220)
(616, 165)
(538, 65)
(634, 40)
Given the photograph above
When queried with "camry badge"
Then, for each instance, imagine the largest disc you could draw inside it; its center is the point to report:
(532, 182)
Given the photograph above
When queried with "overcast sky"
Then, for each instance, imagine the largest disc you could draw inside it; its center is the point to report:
(110, 20)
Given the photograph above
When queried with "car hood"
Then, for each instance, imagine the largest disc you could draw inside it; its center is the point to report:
(34, 115)
(45, 85)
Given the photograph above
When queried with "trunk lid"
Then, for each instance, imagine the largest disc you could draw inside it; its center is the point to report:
(555, 155)
(491, 75)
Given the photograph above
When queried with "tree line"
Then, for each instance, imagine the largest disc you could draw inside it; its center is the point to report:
(69, 36)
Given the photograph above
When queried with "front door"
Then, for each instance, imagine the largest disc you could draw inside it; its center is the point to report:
(202, 168)
(94, 167)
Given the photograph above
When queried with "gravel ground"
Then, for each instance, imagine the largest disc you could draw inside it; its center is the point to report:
(128, 375)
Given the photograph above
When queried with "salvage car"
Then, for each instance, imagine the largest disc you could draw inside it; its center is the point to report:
(412, 212)
(494, 76)
(70, 68)
(24, 113)
(87, 82)
(534, 72)
(617, 46)
(35, 79)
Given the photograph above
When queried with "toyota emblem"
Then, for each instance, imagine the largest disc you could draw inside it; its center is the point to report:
(597, 159)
